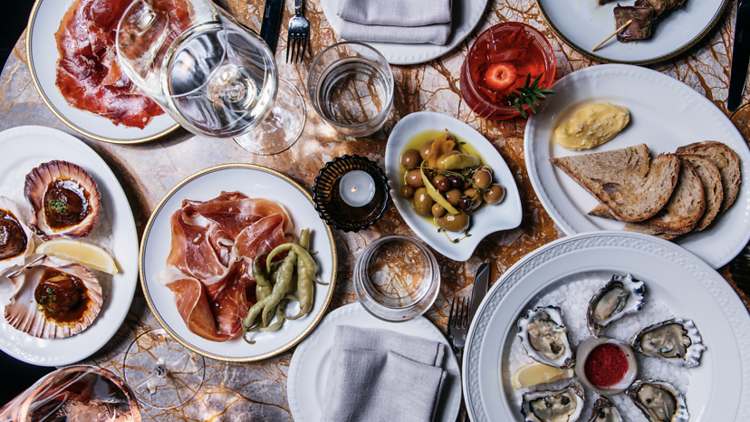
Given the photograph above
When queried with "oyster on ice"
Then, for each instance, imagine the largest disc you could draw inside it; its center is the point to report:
(16, 240)
(659, 401)
(65, 200)
(54, 299)
(676, 340)
(563, 405)
(621, 296)
(605, 411)
(544, 335)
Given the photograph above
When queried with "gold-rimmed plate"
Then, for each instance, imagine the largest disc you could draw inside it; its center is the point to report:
(255, 182)
(42, 56)
(583, 24)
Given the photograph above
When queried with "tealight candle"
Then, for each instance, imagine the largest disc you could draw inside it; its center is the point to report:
(357, 188)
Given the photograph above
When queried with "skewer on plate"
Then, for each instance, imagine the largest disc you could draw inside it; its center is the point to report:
(625, 25)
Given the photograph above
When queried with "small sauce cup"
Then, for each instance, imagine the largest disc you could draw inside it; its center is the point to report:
(396, 278)
(611, 364)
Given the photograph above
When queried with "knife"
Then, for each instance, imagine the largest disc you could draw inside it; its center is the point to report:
(269, 27)
(481, 285)
(740, 55)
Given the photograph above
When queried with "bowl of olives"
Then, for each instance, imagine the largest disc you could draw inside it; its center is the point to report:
(454, 188)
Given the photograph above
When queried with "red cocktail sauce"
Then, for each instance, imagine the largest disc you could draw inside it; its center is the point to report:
(606, 365)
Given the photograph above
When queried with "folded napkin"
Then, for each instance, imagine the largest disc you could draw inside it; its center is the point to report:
(382, 376)
(401, 21)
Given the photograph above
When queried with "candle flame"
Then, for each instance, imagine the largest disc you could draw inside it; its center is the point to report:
(354, 189)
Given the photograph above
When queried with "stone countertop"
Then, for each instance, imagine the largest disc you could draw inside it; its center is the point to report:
(257, 391)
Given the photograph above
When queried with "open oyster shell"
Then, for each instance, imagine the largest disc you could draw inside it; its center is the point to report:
(621, 296)
(16, 240)
(659, 401)
(565, 405)
(25, 313)
(65, 199)
(605, 411)
(676, 340)
(544, 335)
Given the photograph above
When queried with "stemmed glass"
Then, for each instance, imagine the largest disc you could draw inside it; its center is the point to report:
(212, 75)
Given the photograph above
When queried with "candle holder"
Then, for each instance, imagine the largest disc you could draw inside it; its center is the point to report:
(332, 207)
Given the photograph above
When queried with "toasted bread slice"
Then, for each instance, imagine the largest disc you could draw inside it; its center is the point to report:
(681, 214)
(640, 188)
(712, 187)
(726, 160)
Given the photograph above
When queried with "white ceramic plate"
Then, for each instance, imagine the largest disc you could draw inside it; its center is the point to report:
(42, 57)
(583, 24)
(487, 219)
(665, 114)
(465, 14)
(23, 149)
(255, 182)
(308, 370)
(719, 387)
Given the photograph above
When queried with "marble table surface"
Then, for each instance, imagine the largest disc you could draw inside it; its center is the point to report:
(257, 391)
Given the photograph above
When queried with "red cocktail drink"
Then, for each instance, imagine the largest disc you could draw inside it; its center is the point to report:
(501, 60)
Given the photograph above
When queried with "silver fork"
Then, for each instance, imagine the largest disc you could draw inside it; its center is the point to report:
(299, 34)
(458, 325)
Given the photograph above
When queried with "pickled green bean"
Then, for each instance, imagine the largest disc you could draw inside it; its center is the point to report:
(304, 289)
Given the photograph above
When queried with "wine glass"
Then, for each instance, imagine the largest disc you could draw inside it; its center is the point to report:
(214, 76)
(163, 373)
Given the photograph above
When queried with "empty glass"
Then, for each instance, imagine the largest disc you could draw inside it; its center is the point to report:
(351, 87)
(212, 75)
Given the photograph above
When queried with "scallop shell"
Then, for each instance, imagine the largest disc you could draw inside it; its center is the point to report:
(659, 401)
(664, 340)
(23, 313)
(544, 335)
(564, 405)
(10, 208)
(37, 182)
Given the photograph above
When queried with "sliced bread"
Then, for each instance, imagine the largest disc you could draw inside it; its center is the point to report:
(712, 187)
(726, 160)
(680, 215)
(625, 180)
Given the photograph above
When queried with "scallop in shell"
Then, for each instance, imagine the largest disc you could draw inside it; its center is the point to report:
(659, 401)
(16, 240)
(65, 199)
(544, 335)
(605, 411)
(621, 296)
(54, 299)
(676, 340)
(563, 405)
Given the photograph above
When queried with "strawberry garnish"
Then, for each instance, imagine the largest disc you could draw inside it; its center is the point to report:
(500, 76)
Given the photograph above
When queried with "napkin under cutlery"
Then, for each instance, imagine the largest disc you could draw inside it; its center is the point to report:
(382, 376)
(404, 21)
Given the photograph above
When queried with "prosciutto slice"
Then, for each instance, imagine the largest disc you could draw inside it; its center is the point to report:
(88, 73)
(209, 267)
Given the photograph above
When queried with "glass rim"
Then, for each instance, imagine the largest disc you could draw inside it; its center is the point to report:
(384, 112)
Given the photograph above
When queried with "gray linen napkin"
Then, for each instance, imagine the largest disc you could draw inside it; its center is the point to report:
(404, 21)
(382, 376)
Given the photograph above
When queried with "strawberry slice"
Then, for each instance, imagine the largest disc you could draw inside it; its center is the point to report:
(500, 76)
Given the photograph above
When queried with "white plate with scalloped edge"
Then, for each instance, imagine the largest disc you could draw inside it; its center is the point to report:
(485, 220)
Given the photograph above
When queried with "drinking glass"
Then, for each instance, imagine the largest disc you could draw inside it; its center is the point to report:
(515, 45)
(351, 87)
(212, 75)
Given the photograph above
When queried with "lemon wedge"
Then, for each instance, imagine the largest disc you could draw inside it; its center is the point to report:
(538, 373)
(82, 253)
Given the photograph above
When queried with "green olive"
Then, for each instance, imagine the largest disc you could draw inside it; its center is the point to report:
(453, 222)
(453, 196)
(425, 150)
(482, 179)
(438, 210)
(475, 197)
(422, 202)
(414, 178)
(410, 159)
(495, 194)
(407, 192)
